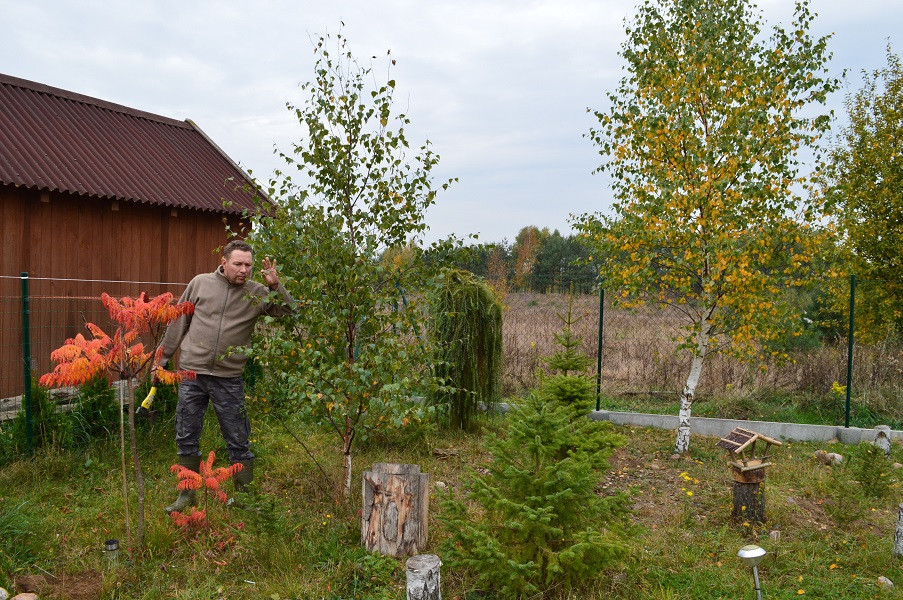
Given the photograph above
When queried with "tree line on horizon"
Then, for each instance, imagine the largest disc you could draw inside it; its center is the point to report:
(538, 260)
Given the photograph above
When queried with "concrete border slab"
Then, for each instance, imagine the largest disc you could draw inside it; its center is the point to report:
(721, 427)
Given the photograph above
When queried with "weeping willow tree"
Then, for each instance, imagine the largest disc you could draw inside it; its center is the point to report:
(467, 325)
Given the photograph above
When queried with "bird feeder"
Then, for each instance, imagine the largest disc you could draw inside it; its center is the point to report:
(748, 471)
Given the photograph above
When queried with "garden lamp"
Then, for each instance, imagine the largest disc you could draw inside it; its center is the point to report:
(111, 551)
(751, 556)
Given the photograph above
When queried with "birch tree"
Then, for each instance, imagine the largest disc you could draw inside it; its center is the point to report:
(701, 141)
(352, 354)
(865, 182)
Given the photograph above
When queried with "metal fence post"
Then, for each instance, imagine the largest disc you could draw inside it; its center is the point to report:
(26, 356)
(599, 352)
(850, 348)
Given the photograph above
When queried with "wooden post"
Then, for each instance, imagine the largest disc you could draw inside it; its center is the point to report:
(898, 534)
(749, 502)
(749, 472)
(423, 577)
(395, 509)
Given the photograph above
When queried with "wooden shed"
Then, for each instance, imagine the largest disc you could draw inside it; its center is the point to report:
(98, 197)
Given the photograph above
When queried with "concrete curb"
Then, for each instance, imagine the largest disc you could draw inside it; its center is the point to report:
(721, 427)
(791, 432)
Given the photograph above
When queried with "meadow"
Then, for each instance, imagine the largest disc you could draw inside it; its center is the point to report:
(827, 535)
(643, 372)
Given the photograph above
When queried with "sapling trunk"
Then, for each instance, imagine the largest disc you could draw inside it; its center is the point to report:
(136, 459)
(347, 440)
(125, 481)
(686, 398)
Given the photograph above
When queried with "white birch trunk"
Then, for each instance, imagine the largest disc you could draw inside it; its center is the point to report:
(346, 487)
(682, 444)
(898, 533)
(346, 459)
(423, 577)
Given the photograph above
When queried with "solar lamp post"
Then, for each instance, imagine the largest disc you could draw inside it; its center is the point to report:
(751, 556)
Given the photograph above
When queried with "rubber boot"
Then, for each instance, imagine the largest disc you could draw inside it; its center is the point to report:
(244, 477)
(242, 480)
(186, 497)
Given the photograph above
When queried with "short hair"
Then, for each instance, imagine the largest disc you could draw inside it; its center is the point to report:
(237, 245)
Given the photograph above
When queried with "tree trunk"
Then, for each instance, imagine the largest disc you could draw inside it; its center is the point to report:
(686, 398)
(423, 577)
(136, 459)
(898, 534)
(346, 464)
(125, 480)
(749, 502)
(394, 510)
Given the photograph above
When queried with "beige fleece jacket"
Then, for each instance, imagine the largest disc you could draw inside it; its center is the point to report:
(224, 318)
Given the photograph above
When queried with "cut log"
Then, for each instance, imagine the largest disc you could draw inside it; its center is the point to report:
(394, 510)
(423, 577)
(898, 534)
(749, 502)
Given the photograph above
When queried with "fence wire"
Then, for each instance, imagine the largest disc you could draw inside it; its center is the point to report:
(639, 348)
(58, 310)
(641, 357)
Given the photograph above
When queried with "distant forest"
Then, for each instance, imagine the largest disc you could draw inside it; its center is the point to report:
(537, 261)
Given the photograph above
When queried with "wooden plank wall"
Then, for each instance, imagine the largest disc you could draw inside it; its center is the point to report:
(67, 242)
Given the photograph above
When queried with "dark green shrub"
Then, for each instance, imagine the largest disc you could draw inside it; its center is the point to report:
(539, 520)
(467, 327)
(845, 504)
(50, 427)
(96, 411)
(872, 469)
(164, 402)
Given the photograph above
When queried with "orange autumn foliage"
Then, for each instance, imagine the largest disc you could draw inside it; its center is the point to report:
(208, 479)
(80, 358)
(196, 519)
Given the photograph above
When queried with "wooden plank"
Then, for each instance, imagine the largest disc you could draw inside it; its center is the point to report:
(737, 440)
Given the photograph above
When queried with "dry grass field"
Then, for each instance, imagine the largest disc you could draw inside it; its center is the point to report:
(639, 356)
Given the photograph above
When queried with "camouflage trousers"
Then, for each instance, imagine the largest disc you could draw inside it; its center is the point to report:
(228, 397)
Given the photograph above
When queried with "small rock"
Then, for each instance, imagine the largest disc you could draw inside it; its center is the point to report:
(4, 595)
(675, 456)
(885, 583)
(897, 465)
(441, 485)
(25, 596)
(775, 535)
(828, 458)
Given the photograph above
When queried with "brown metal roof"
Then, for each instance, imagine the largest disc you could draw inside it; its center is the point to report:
(51, 139)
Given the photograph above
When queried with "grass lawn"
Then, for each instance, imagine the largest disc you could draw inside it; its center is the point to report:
(825, 537)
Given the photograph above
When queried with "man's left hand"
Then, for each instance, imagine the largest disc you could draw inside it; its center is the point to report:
(270, 275)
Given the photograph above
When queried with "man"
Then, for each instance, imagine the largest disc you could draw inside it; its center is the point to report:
(227, 305)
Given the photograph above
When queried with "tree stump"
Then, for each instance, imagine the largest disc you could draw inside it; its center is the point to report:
(395, 509)
(749, 502)
(423, 577)
(882, 438)
(898, 534)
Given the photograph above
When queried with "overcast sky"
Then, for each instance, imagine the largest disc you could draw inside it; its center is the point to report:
(499, 87)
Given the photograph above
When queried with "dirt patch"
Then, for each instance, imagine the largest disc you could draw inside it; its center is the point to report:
(81, 586)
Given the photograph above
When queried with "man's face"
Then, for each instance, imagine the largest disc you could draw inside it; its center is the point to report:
(237, 267)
